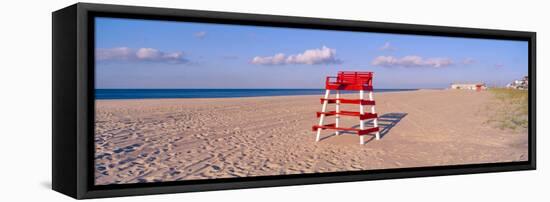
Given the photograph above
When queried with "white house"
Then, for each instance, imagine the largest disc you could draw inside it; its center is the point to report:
(522, 84)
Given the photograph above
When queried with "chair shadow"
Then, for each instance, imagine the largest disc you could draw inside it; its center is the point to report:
(386, 122)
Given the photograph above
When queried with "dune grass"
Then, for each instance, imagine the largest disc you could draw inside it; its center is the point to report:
(512, 109)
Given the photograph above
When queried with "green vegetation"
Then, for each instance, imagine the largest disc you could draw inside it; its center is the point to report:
(512, 109)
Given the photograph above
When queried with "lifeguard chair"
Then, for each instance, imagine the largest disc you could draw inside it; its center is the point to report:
(349, 81)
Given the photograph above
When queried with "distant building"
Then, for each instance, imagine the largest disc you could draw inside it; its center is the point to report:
(469, 86)
(522, 84)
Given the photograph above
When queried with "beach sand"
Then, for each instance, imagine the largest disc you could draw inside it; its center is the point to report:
(154, 140)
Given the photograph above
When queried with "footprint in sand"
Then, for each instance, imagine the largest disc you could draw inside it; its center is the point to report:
(100, 167)
(126, 161)
(118, 150)
(173, 172)
(131, 148)
(104, 155)
(216, 168)
(150, 159)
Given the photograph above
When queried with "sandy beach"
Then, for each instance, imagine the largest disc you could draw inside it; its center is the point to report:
(150, 140)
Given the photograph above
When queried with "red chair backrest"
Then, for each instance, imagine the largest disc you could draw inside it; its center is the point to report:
(355, 78)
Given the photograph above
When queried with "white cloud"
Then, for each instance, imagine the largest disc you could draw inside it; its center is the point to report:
(277, 59)
(200, 34)
(411, 61)
(323, 55)
(148, 54)
(387, 47)
(119, 53)
(141, 54)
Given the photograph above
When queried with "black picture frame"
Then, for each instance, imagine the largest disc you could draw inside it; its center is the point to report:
(73, 100)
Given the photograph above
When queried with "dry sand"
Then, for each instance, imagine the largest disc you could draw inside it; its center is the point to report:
(183, 139)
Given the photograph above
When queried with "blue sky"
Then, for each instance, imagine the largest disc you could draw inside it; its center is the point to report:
(161, 54)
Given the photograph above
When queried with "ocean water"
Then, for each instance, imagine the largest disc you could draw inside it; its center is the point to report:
(103, 94)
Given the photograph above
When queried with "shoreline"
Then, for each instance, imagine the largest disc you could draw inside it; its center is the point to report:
(268, 96)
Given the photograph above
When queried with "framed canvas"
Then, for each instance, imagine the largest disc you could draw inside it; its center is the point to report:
(156, 100)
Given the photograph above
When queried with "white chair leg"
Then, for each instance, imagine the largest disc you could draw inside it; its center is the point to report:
(375, 121)
(321, 119)
(337, 111)
(361, 111)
